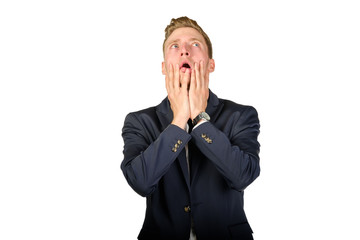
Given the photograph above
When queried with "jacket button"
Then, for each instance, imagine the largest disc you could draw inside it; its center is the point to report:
(187, 209)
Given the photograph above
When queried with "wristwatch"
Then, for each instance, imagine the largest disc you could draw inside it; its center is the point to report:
(202, 115)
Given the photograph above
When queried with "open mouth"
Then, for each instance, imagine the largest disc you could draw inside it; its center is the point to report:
(185, 65)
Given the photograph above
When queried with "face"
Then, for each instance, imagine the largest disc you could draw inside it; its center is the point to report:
(184, 47)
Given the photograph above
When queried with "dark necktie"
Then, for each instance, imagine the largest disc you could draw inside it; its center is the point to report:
(190, 125)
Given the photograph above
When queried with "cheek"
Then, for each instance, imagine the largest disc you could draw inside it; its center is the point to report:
(170, 59)
(199, 55)
(171, 54)
(199, 52)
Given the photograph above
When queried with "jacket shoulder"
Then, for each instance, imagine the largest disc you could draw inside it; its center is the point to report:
(152, 111)
(236, 107)
(146, 111)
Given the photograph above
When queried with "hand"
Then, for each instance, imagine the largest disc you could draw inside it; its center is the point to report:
(199, 89)
(177, 89)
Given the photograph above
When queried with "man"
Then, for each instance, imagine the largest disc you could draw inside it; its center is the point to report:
(193, 155)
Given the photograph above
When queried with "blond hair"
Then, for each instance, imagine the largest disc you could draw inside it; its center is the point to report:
(186, 22)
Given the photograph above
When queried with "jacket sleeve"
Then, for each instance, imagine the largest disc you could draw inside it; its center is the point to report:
(236, 154)
(146, 161)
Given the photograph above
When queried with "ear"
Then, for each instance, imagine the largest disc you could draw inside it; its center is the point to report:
(163, 68)
(211, 65)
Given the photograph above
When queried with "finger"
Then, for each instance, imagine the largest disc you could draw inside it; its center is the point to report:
(186, 76)
(206, 83)
(171, 75)
(185, 80)
(193, 79)
(202, 74)
(176, 77)
(167, 79)
(206, 79)
(167, 83)
(198, 74)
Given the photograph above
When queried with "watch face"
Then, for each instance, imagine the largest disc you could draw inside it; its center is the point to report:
(205, 116)
(202, 115)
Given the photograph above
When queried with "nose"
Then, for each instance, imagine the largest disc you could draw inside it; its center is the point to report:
(184, 51)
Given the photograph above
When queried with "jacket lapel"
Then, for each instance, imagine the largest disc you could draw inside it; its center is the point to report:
(184, 167)
(214, 107)
(164, 114)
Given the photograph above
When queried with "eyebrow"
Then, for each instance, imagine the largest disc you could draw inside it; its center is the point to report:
(177, 40)
(174, 41)
(195, 39)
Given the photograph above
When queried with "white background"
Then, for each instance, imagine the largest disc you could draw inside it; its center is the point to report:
(71, 70)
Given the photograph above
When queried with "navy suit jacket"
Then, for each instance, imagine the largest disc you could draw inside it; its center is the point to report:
(224, 160)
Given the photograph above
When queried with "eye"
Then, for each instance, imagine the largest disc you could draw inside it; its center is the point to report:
(196, 44)
(174, 46)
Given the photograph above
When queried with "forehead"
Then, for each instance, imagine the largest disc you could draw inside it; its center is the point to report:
(185, 33)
